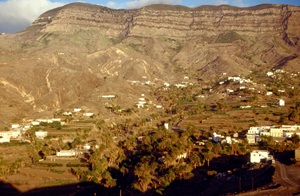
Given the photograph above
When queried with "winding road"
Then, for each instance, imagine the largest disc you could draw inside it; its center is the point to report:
(284, 175)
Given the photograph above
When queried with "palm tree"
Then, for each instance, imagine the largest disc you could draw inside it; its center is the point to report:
(21, 162)
(5, 167)
(15, 166)
(208, 156)
(195, 161)
(217, 149)
(234, 148)
(144, 171)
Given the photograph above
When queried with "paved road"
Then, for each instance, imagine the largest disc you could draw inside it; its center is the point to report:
(175, 127)
(284, 175)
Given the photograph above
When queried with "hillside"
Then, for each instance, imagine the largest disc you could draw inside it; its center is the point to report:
(71, 56)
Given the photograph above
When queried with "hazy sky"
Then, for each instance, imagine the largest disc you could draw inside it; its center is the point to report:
(16, 15)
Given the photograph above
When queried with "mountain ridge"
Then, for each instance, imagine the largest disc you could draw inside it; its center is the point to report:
(185, 21)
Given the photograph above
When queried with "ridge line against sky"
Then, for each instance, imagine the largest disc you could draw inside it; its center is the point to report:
(16, 15)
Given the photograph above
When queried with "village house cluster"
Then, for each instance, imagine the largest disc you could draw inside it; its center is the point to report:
(254, 134)
(278, 72)
(247, 84)
(183, 84)
(17, 130)
(280, 103)
(225, 139)
(143, 102)
(244, 84)
(284, 131)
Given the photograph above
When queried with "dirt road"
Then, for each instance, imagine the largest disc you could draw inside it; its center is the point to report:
(288, 178)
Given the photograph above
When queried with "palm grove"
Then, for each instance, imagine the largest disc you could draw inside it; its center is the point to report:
(147, 157)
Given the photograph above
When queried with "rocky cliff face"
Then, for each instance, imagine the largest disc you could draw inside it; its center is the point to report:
(172, 21)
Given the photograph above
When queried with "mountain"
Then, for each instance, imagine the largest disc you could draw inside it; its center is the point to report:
(71, 56)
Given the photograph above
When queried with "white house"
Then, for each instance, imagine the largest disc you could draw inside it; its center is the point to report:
(217, 138)
(87, 146)
(227, 140)
(257, 130)
(236, 135)
(270, 73)
(26, 126)
(78, 109)
(265, 133)
(260, 156)
(269, 93)
(281, 102)
(6, 134)
(35, 123)
(108, 96)
(41, 134)
(15, 125)
(44, 120)
(139, 105)
(180, 85)
(181, 156)
(66, 153)
(245, 106)
(291, 127)
(251, 138)
(166, 125)
(88, 114)
(274, 132)
(67, 113)
(3, 140)
(234, 78)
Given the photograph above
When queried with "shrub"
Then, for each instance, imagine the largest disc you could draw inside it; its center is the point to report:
(228, 37)
(211, 172)
(77, 165)
(56, 171)
(51, 164)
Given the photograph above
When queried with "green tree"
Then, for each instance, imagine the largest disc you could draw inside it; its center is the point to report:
(295, 138)
(4, 168)
(282, 119)
(208, 156)
(222, 104)
(294, 115)
(144, 173)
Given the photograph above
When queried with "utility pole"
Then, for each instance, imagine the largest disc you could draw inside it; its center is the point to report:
(240, 185)
(252, 181)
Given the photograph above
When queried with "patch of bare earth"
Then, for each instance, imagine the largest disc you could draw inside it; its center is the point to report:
(30, 178)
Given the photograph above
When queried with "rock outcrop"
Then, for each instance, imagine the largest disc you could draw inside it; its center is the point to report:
(173, 21)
